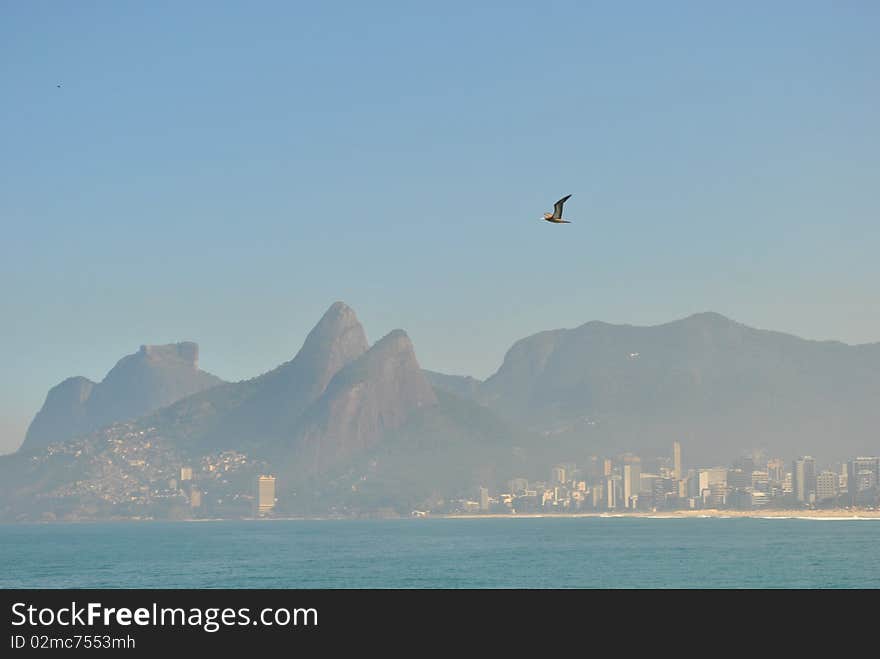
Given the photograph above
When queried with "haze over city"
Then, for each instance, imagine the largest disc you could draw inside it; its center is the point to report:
(161, 181)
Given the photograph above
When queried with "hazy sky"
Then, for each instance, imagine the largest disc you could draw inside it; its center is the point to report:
(222, 172)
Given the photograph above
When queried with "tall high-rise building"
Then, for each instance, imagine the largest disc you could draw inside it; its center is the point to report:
(606, 467)
(264, 499)
(803, 479)
(195, 498)
(186, 474)
(612, 492)
(632, 473)
(598, 496)
(628, 489)
(484, 499)
(676, 460)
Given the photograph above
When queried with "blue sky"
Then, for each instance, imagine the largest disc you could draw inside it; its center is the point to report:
(222, 172)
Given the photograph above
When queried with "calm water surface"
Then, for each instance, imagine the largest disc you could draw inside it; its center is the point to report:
(445, 553)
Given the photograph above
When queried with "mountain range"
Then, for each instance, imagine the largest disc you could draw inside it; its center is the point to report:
(715, 385)
(341, 407)
(367, 422)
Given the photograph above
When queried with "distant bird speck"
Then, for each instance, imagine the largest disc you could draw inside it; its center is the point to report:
(59, 86)
(556, 215)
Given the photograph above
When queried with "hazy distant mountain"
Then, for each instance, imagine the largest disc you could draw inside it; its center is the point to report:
(373, 395)
(151, 378)
(267, 409)
(339, 424)
(350, 428)
(334, 401)
(716, 385)
(340, 408)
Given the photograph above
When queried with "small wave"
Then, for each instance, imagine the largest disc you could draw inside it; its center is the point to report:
(821, 519)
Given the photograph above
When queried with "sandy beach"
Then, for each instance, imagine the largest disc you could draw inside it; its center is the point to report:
(831, 514)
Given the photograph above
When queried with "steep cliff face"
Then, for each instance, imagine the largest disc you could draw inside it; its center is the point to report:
(266, 410)
(138, 384)
(373, 395)
(153, 377)
(287, 391)
(63, 415)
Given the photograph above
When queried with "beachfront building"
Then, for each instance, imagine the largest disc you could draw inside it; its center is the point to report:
(827, 486)
(803, 479)
(264, 499)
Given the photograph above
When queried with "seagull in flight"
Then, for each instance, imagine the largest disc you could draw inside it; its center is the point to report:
(556, 215)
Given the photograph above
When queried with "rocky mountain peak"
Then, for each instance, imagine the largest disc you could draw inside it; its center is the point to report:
(374, 394)
(140, 383)
(186, 353)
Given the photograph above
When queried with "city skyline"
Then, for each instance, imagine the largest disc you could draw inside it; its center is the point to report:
(142, 477)
(749, 483)
(345, 426)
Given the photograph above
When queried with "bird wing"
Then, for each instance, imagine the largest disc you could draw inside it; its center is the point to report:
(557, 207)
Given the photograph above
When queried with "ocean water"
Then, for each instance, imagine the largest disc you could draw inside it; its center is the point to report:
(445, 553)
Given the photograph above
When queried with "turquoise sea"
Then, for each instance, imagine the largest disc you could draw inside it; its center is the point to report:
(445, 553)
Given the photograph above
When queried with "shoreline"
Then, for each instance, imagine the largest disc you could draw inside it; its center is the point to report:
(709, 513)
(841, 514)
